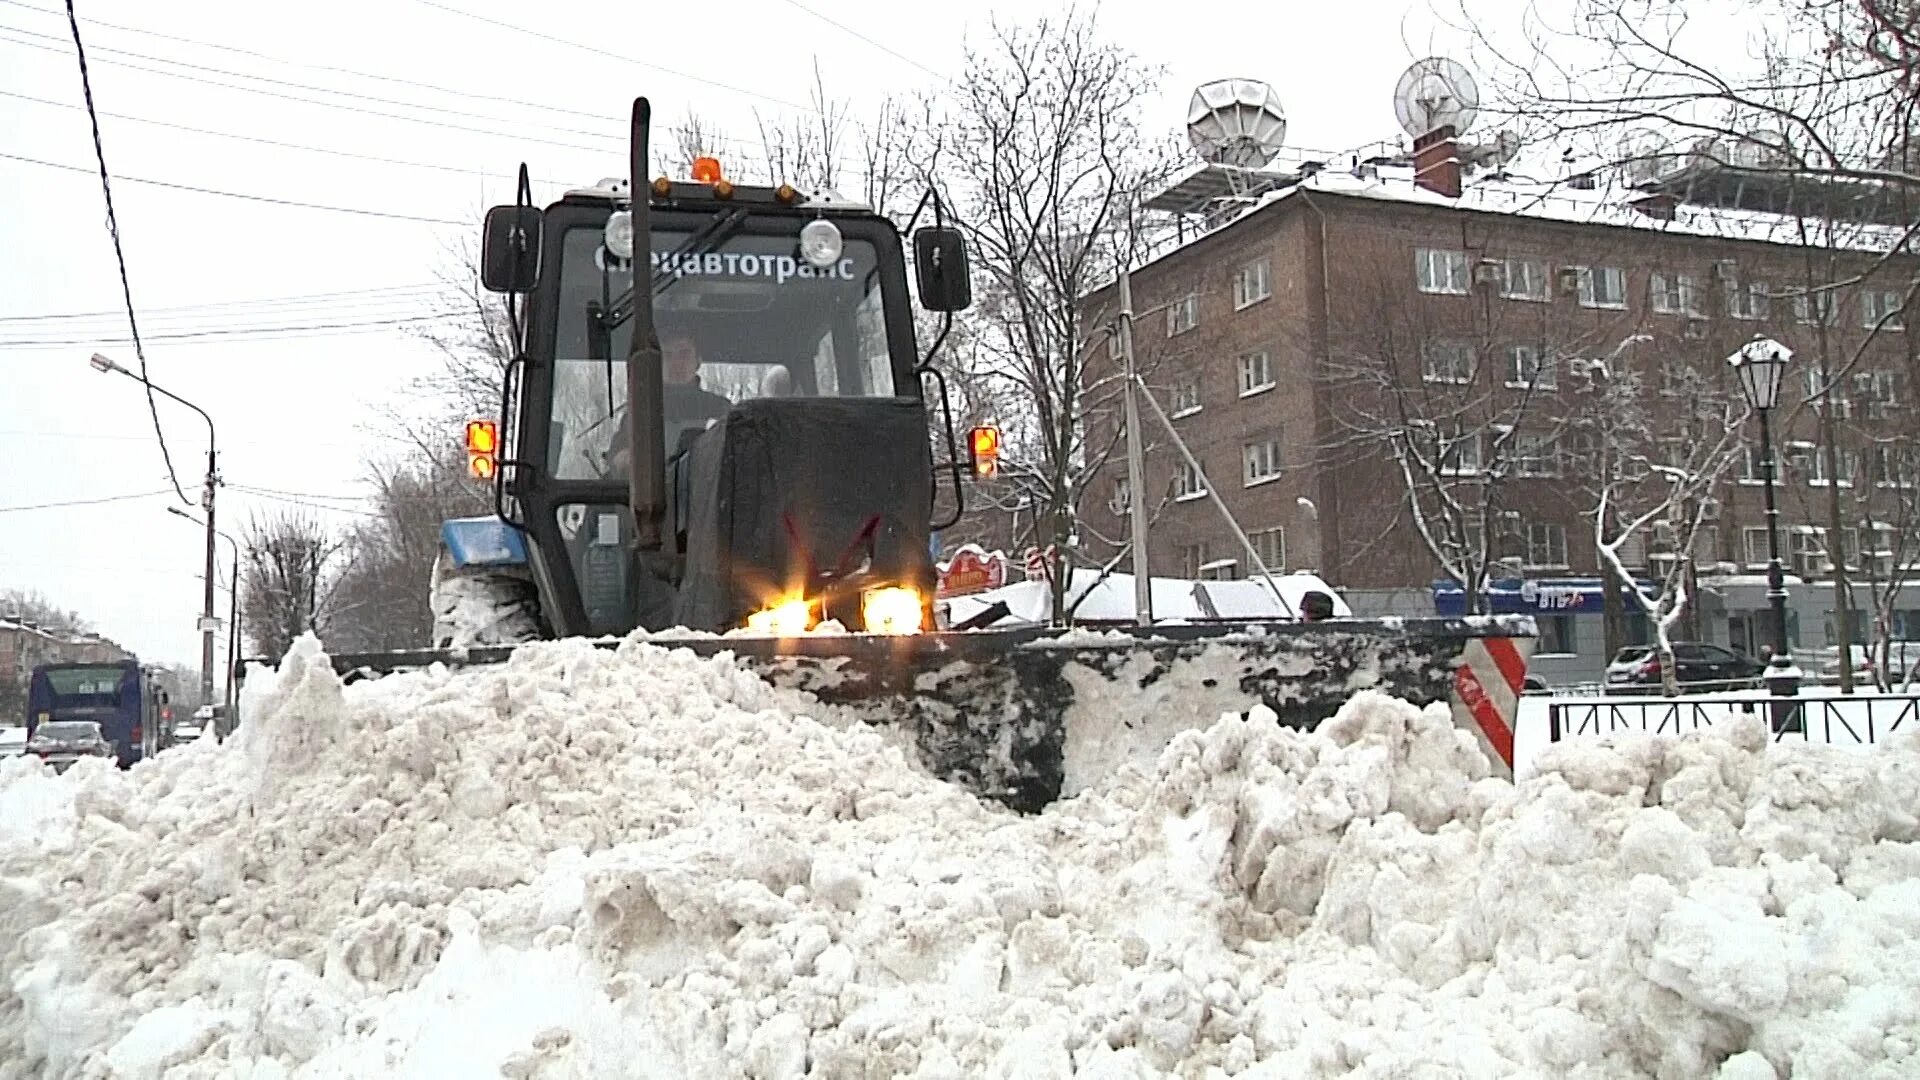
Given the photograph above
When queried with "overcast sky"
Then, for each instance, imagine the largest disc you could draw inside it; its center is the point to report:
(284, 322)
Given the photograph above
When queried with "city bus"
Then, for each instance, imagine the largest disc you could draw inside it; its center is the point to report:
(122, 696)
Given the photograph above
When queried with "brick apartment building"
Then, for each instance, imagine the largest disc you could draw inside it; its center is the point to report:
(1339, 306)
(24, 646)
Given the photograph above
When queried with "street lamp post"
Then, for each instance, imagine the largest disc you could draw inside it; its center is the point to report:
(1761, 365)
(207, 620)
(233, 618)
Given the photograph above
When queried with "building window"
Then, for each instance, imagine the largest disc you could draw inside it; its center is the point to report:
(1894, 466)
(1535, 454)
(1753, 540)
(1441, 271)
(1183, 314)
(1546, 544)
(1446, 362)
(1556, 635)
(1184, 397)
(1602, 286)
(1747, 301)
(1524, 279)
(1192, 558)
(1187, 483)
(1261, 461)
(1528, 365)
(1847, 461)
(1461, 456)
(1253, 284)
(1121, 501)
(1752, 465)
(1813, 308)
(1675, 294)
(1879, 304)
(1271, 545)
(1256, 372)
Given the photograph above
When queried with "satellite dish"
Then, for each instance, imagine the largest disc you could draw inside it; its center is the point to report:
(1237, 122)
(1645, 155)
(1435, 93)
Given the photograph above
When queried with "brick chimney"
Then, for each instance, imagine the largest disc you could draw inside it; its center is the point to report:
(1436, 162)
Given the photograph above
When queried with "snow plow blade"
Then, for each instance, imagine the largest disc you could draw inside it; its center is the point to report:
(1029, 715)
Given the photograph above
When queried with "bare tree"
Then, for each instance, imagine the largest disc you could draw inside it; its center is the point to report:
(1040, 150)
(1652, 459)
(286, 576)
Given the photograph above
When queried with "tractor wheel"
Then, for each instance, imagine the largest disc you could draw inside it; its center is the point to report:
(482, 606)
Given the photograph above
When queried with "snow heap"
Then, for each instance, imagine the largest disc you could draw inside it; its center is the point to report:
(639, 863)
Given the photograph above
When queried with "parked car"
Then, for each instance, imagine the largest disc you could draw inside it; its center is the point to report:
(1700, 666)
(60, 743)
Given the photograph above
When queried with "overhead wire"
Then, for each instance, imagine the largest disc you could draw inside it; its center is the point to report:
(622, 57)
(266, 301)
(270, 199)
(84, 502)
(312, 330)
(280, 143)
(844, 28)
(119, 252)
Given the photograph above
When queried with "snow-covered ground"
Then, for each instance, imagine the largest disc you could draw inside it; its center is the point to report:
(639, 863)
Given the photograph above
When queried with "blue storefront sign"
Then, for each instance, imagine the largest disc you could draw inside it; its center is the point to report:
(1532, 596)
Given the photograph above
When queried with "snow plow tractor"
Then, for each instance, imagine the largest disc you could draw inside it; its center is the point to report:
(739, 451)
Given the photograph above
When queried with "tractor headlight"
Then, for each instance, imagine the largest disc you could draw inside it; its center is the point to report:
(820, 243)
(891, 611)
(619, 234)
(787, 617)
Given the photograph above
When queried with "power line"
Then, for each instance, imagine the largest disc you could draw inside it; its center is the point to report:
(268, 301)
(243, 195)
(276, 142)
(890, 51)
(259, 494)
(119, 254)
(85, 502)
(270, 81)
(197, 335)
(623, 58)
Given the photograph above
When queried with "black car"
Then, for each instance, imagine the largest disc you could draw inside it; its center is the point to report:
(1700, 666)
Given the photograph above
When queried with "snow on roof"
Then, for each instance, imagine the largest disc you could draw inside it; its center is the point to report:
(1607, 203)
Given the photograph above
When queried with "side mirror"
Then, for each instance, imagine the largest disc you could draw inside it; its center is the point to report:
(940, 268)
(510, 249)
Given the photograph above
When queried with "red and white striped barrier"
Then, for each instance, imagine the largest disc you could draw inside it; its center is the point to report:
(1486, 693)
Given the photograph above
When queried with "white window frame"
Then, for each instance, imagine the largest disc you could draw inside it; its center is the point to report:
(1546, 532)
(1183, 314)
(1463, 467)
(1188, 483)
(1533, 276)
(1674, 294)
(1748, 300)
(1271, 546)
(1186, 388)
(1875, 303)
(1749, 534)
(1536, 454)
(1545, 375)
(1442, 271)
(1261, 461)
(1456, 349)
(1263, 360)
(1120, 501)
(1253, 283)
(1807, 304)
(1589, 292)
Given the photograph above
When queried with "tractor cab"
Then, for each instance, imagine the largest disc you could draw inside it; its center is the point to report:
(794, 456)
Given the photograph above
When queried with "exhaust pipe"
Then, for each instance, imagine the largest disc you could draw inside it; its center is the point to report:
(646, 450)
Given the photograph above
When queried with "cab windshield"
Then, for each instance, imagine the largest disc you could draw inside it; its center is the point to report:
(744, 319)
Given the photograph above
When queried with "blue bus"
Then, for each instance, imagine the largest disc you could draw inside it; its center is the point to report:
(122, 696)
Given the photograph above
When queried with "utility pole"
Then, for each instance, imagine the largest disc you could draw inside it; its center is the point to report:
(1136, 467)
(208, 623)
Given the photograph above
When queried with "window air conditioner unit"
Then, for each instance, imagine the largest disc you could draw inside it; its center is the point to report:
(1488, 272)
(1569, 278)
(1710, 510)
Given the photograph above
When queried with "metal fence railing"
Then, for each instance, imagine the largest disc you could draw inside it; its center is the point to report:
(1819, 717)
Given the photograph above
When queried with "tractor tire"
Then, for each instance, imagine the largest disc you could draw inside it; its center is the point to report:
(482, 606)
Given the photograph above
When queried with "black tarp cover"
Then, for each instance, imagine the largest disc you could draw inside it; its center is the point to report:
(818, 471)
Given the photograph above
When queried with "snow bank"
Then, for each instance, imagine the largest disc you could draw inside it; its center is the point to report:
(640, 863)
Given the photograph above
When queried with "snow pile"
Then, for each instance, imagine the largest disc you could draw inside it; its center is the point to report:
(640, 863)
